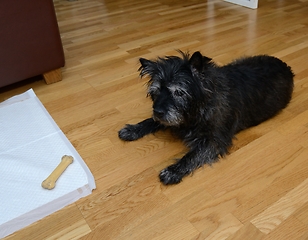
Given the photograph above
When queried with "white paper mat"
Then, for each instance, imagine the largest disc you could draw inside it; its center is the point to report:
(31, 146)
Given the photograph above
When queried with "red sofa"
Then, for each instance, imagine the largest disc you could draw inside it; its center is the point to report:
(30, 43)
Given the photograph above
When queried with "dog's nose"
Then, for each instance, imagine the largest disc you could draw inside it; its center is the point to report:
(158, 113)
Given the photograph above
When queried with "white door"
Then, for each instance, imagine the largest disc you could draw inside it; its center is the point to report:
(245, 3)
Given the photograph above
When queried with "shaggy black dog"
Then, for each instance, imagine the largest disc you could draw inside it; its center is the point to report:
(205, 105)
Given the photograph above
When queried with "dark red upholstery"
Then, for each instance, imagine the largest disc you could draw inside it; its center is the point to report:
(30, 42)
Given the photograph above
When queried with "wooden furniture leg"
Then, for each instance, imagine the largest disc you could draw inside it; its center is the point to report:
(53, 76)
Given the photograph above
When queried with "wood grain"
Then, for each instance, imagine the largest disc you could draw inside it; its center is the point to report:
(275, 214)
(259, 191)
(53, 76)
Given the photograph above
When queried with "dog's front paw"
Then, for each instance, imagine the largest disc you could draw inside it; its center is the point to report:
(129, 133)
(170, 175)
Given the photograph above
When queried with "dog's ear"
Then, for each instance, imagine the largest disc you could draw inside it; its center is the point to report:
(197, 61)
(147, 66)
(145, 62)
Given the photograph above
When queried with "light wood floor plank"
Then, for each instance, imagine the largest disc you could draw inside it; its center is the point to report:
(282, 209)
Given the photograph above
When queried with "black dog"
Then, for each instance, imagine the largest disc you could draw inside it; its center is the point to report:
(205, 105)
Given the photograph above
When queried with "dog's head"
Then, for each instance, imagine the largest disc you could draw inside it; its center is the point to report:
(175, 86)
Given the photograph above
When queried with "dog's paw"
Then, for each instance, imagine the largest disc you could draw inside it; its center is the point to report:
(170, 176)
(129, 133)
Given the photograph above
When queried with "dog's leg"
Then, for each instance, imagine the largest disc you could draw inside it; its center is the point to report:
(136, 131)
(194, 159)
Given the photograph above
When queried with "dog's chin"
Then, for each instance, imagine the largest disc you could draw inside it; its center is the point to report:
(168, 122)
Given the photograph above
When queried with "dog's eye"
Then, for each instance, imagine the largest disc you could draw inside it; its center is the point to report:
(178, 93)
(153, 93)
(153, 90)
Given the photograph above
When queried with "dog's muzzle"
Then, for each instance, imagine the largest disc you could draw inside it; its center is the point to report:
(169, 118)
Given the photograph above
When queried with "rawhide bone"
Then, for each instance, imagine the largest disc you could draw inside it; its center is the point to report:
(50, 182)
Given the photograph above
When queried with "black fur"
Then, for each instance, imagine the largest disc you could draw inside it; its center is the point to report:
(205, 105)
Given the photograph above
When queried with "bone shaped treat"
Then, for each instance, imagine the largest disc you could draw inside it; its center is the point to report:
(50, 182)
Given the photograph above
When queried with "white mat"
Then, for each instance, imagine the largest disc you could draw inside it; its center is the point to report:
(31, 146)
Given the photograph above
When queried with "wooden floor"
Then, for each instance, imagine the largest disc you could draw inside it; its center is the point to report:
(259, 191)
